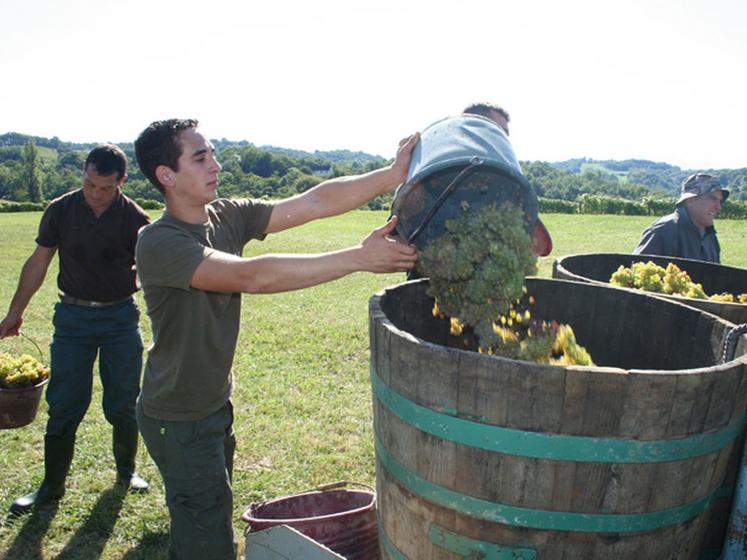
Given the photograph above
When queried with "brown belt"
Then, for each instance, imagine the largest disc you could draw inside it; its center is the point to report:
(64, 298)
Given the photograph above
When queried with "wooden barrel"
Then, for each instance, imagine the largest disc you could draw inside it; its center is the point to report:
(480, 456)
(715, 278)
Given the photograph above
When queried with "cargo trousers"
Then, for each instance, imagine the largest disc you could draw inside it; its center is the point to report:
(195, 459)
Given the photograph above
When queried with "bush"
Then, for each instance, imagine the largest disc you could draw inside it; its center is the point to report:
(9, 206)
(733, 209)
(149, 204)
(602, 204)
(557, 206)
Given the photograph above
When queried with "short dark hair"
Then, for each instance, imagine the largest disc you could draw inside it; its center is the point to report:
(107, 159)
(484, 110)
(158, 145)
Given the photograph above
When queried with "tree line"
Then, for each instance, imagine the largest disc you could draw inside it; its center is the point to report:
(34, 170)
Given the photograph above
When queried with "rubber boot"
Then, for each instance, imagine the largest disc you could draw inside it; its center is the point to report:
(58, 454)
(124, 445)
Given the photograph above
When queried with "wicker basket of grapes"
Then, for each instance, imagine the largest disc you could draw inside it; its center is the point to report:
(22, 381)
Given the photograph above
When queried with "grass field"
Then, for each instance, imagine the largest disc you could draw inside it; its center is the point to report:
(302, 397)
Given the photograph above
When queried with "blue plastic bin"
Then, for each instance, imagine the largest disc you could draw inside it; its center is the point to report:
(474, 146)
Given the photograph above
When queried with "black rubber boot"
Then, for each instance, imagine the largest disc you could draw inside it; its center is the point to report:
(58, 454)
(124, 445)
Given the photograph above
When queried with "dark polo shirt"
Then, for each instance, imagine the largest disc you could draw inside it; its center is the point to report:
(96, 254)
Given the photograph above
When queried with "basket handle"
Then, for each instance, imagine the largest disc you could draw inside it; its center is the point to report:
(340, 484)
(32, 341)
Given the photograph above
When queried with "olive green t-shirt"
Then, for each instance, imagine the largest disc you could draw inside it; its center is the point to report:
(188, 370)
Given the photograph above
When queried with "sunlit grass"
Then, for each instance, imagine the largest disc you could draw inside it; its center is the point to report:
(302, 396)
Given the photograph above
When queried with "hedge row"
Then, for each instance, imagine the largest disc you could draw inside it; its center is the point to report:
(585, 204)
(10, 206)
(602, 204)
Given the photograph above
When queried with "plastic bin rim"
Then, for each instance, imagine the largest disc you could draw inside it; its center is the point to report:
(290, 520)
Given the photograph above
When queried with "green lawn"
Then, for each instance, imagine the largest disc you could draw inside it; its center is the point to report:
(302, 398)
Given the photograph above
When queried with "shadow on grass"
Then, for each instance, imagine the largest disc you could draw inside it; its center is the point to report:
(89, 540)
(28, 542)
(91, 537)
(152, 546)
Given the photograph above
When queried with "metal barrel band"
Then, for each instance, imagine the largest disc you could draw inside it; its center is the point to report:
(465, 547)
(557, 447)
(388, 546)
(461, 546)
(496, 512)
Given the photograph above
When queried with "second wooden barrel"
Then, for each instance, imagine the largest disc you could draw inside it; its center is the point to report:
(715, 278)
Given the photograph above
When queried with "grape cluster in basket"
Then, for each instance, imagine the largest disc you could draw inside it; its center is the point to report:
(22, 371)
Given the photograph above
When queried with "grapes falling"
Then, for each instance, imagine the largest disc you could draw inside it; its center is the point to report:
(476, 271)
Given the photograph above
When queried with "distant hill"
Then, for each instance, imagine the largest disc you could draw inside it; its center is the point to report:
(248, 170)
(656, 177)
(337, 156)
(272, 171)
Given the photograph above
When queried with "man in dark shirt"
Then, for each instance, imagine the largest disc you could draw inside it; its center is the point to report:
(95, 229)
(688, 232)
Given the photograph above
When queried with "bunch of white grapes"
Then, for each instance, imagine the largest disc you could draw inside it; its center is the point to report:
(477, 267)
(23, 371)
(671, 280)
(476, 271)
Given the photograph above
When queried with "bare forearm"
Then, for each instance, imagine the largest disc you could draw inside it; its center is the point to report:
(330, 198)
(223, 272)
(31, 279)
(342, 194)
(283, 273)
(32, 275)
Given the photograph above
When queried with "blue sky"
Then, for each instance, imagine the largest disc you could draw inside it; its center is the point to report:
(658, 80)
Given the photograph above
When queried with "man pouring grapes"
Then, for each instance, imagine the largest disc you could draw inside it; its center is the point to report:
(192, 272)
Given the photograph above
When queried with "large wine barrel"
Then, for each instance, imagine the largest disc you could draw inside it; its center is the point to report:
(715, 278)
(480, 456)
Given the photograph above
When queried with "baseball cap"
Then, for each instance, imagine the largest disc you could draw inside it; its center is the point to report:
(701, 183)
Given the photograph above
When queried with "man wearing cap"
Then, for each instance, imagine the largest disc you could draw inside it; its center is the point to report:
(688, 232)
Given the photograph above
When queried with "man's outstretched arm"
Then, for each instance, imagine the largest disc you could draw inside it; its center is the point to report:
(342, 194)
(223, 272)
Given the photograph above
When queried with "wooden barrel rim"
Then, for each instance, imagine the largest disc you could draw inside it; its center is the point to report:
(711, 306)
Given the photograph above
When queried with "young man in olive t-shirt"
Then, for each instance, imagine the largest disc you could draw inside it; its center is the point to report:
(192, 273)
